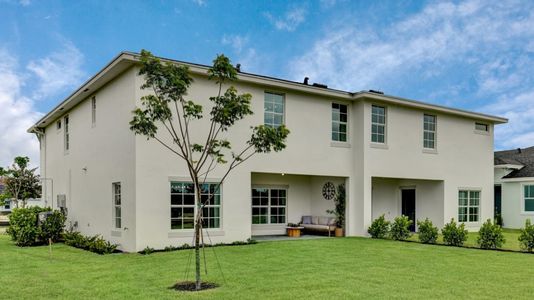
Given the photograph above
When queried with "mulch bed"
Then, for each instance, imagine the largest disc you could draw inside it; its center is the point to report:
(190, 286)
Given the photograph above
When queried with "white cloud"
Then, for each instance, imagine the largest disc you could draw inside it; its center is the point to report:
(237, 42)
(489, 44)
(25, 2)
(57, 71)
(52, 75)
(18, 114)
(290, 20)
(200, 2)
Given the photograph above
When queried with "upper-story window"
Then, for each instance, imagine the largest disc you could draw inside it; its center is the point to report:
(273, 110)
(66, 133)
(339, 122)
(481, 127)
(429, 132)
(378, 124)
(93, 110)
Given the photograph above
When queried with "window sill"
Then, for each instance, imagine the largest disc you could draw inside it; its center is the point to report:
(379, 146)
(527, 213)
(430, 151)
(481, 132)
(339, 144)
(179, 233)
(116, 233)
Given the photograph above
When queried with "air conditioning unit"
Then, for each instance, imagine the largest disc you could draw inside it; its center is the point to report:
(62, 201)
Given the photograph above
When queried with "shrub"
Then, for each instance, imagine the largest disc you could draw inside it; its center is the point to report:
(147, 251)
(526, 237)
(52, 227)
(379, 228)
(400, 228)
(490, 236)
(454, 235)
(428, 233)
(25, 230)
(95, 243)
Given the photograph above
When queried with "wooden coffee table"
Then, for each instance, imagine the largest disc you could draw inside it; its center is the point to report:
(294, 231)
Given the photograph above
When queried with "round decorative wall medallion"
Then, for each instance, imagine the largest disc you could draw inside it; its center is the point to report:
(329, 191)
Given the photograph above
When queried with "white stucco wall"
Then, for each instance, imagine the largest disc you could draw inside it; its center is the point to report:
(107, 152)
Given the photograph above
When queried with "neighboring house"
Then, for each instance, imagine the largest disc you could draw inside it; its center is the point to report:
(514, 186)
(395, 156)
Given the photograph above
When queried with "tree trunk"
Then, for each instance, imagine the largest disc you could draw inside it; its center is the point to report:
(198, 227)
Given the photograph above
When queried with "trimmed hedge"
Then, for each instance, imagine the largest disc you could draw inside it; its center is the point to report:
(400, 228)
(379, 229)
(490, 236)
(526, 237)
(454, 235)
(428, 233)
(95, 244)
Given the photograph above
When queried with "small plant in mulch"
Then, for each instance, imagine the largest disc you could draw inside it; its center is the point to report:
(190, 286)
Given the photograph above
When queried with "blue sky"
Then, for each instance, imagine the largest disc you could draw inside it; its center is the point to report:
(475, 55)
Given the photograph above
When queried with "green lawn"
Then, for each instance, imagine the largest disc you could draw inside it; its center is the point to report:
(510, 235)
(307, 269)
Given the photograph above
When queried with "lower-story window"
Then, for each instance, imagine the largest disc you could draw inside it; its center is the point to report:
(117, 201)
(183, 208)
(269, 205)
(468, 206)
(528, 196)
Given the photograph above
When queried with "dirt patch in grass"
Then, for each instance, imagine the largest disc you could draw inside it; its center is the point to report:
(190, 286)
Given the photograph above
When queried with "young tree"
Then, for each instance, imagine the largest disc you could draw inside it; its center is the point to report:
(166, 112)
(20, 183)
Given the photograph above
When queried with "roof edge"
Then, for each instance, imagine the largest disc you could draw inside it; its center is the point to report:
(133, 58)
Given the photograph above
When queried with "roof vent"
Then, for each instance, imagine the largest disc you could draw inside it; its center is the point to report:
(305, 80)
(518, 150)
(376, 92)
(320, 85)
(238, 67)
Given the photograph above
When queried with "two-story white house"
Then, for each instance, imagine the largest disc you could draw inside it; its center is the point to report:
(395, 156)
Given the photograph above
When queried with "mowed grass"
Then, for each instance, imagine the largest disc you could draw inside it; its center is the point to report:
(510, 235)
(336, 268)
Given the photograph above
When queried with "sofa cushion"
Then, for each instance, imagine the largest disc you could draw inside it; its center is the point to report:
(315, 220)
(315, 227)
(323, 220)
(306, 219)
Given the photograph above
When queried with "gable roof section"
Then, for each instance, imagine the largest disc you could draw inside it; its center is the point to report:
(523, 157)
(125, 60)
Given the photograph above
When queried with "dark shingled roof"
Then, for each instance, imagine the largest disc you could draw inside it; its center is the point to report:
(523, 157)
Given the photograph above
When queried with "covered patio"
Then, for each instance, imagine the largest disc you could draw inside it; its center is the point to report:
(279, 199)
(416, 198)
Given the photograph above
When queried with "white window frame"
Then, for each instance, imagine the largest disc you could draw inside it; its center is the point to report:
(93, 111)
(66, 134)
(523, 199)
(117, 205)
(194, 205)
(384, 125)
(272, 113)
(58, 125)
(430, 131)
(339, 122)
(468, 206)
(269, 206)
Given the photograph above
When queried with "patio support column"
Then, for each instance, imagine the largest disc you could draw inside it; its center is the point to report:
(358, 211)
